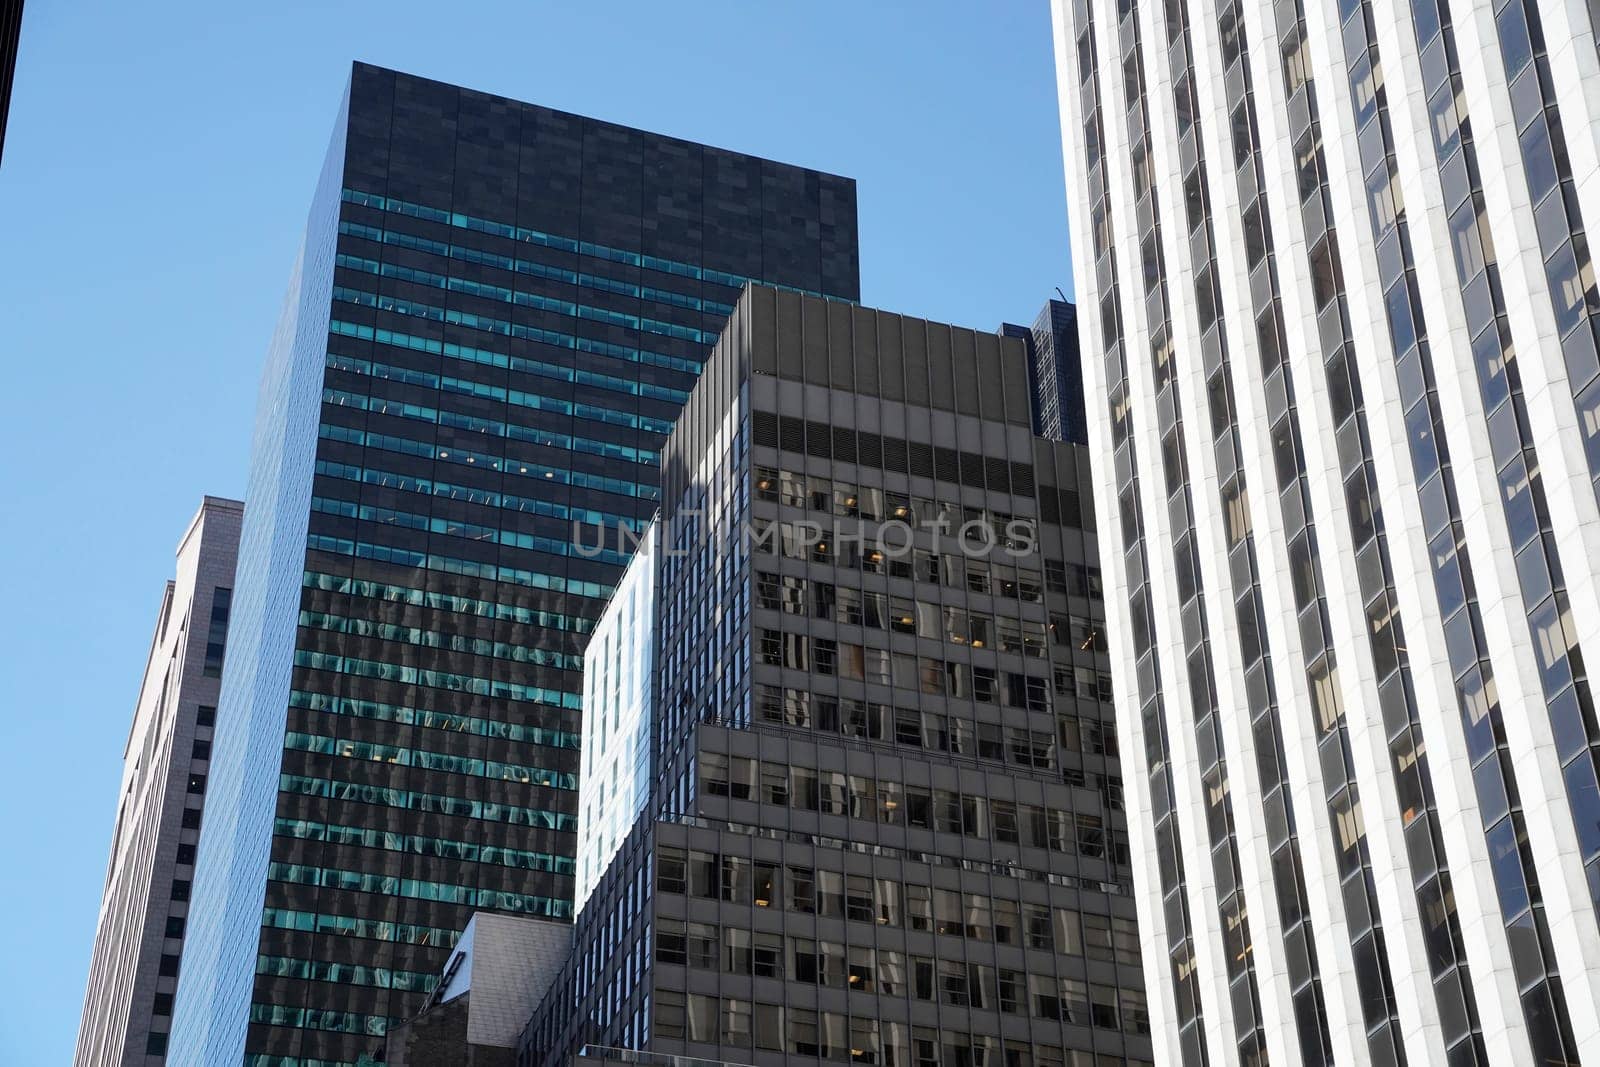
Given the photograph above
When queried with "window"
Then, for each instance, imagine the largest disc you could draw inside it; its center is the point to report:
(156, 1044)
(702, 874)
(205, 715)
(217, 635)
(738, 955)
(702, 1018)
(672, 945)
(767, 955)
(671, 871)
(736, 1022)
(702, 943)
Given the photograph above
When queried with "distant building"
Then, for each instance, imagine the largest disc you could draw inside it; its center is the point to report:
(498, 972)
(498, 311)
(139, 938)
(884, 823)
(1055, 377)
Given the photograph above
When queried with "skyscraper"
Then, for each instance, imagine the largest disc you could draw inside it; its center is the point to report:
(884, 820)
(1054, 376)
(497, 312)
(139, 939)
(1339, 344)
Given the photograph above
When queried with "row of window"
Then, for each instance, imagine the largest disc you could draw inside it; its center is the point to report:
(437, 561)
(847, 500)
(338, 1022)
(350, 926)
(402, 756)
(894, 804)
(525, 297)
(828, 1035)
(523, 733)
(504, 464)
(421, 845)
(487, 357)
(902, 670)
(516, 652)
(856, 551)
(471, 494)
(882, 902)
(346, 974)
(806, 890)
(937, 732)
(417, 800)
(1003, 868)
(420, 889)
(893, 973)
(544, 239)
(451, 527)
(461, 605)
(814, 598)
(461, 683)
(534, 401)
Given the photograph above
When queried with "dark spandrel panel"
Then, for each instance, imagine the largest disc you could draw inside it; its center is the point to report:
(371, 112)
(841, 267)
(613, 185)
(733, 213)
(791, 226)
(489, 142)
(550, 171)
(422, 144)
(674, 226)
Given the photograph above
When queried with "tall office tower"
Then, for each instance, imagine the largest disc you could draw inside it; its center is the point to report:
(496, 314)
(1054, 376)
(139, 939)
(1341, 355)
(884, 822)
(10, 35)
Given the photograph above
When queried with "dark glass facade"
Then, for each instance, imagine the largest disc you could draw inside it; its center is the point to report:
(1054, 374)
(497, 316)
(886, 819)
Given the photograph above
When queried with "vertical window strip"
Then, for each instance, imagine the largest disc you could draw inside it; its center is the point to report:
(1233, 911)
(1538, 569)
(1170, 865)
(1431, 877)
(1547, 170)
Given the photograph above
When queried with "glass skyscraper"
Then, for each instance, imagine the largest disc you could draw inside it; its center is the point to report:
(1054, 374)
(1339, 332)
(884, 823)
(496, 315)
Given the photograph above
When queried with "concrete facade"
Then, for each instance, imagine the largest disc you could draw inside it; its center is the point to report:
(1339, 341)
(139, 937)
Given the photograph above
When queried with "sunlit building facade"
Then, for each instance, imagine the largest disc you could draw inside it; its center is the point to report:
(1339, 345)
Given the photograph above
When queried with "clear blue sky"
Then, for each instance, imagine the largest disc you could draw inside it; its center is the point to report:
(155, 180)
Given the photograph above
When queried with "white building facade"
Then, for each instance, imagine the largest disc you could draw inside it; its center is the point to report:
(614, 777)
(1338, 319)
